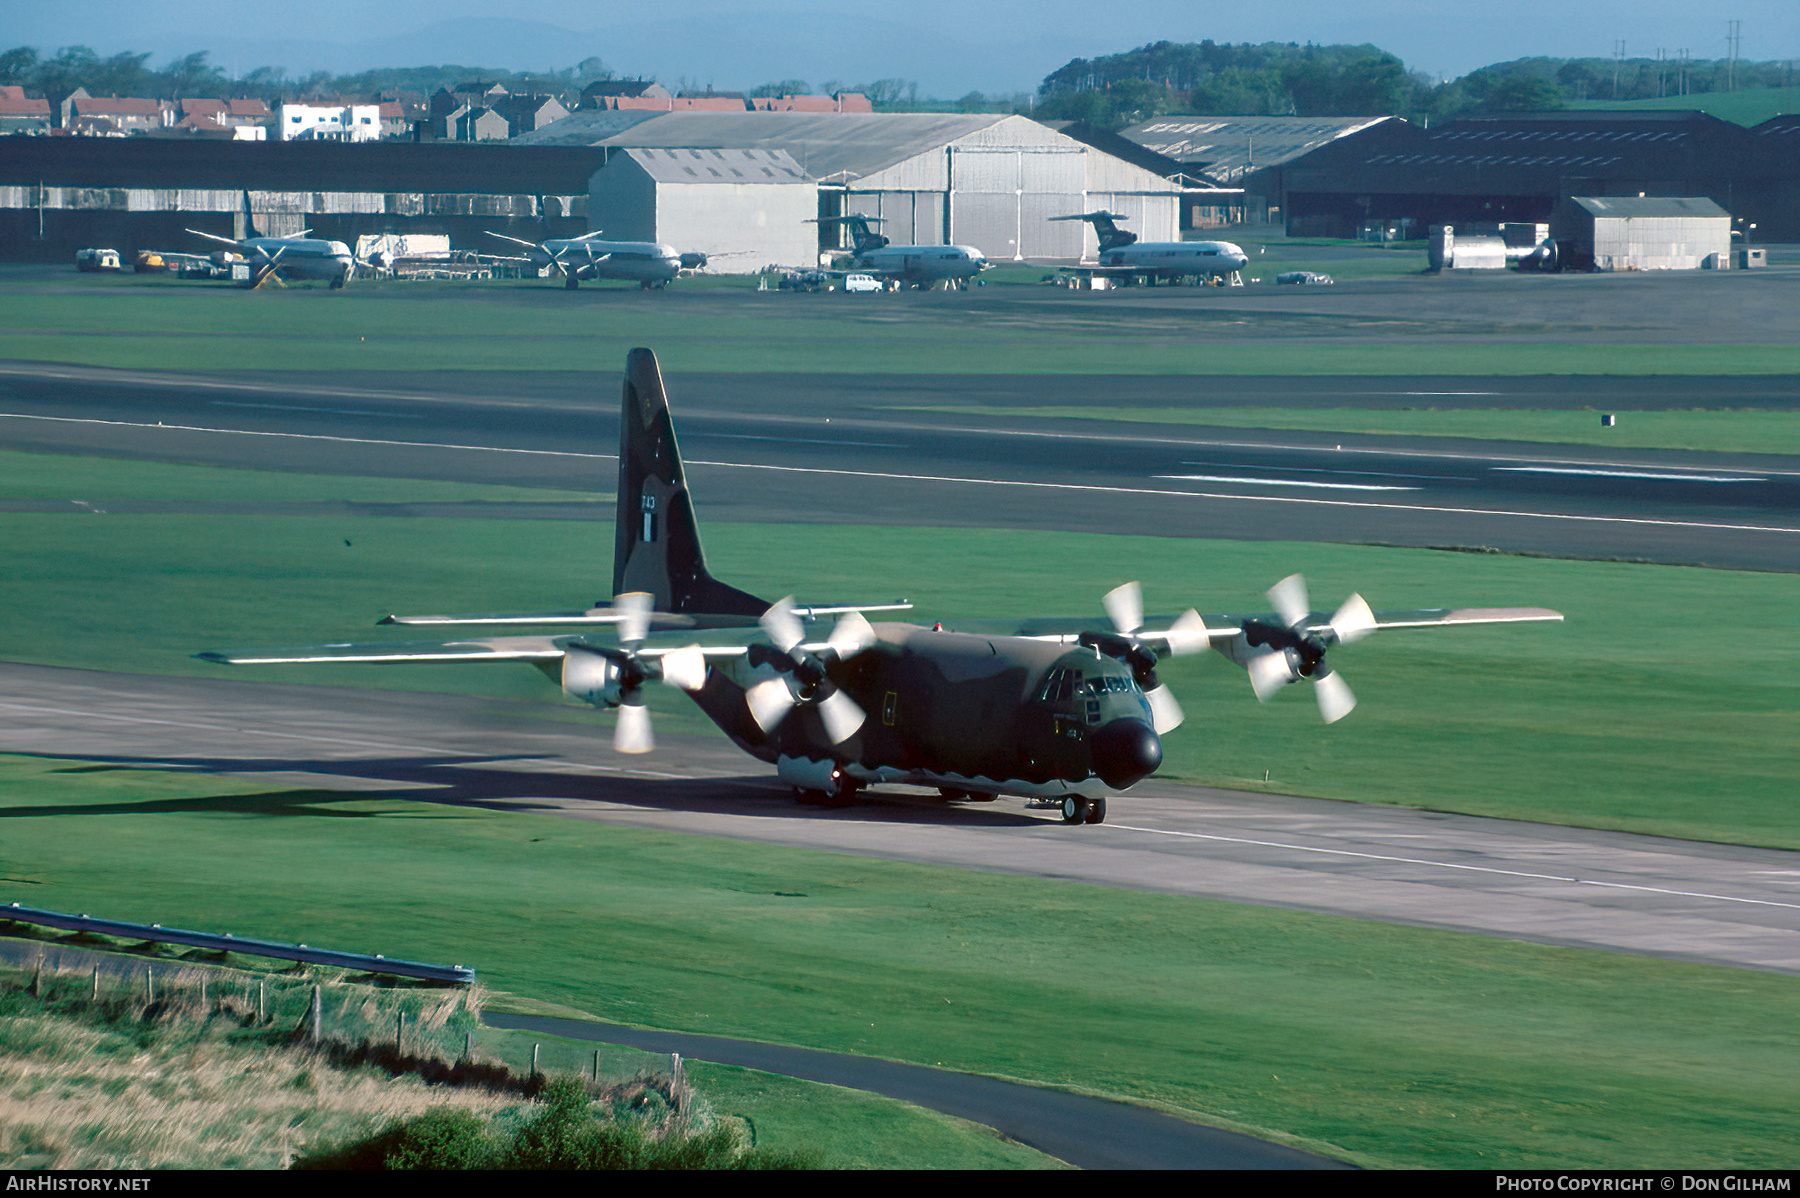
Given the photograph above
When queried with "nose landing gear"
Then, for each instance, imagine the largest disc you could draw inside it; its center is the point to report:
(1079, 810)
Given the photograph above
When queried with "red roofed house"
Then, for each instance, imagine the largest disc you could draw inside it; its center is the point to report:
(20, 115)
(104, 115)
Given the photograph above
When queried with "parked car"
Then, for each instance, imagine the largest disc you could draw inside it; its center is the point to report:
(1304, 276)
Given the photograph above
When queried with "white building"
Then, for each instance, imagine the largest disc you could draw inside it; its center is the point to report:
(330, 122)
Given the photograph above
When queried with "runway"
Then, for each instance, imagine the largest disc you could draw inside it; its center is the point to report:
(834, 449)
(1716, 904)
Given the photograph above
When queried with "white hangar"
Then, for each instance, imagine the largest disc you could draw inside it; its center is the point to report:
(988, 180)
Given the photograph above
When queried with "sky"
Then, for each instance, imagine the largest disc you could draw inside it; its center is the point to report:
(948, 47)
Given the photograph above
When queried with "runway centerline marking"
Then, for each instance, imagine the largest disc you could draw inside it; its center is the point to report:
(1480, 869)
(1089, 488)
(1285, 482)
(1598, 473)
(1455, 478)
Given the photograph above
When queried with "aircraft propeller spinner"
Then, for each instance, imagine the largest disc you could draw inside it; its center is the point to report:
(800, 679)
(1296, 650)
(1188, 634)
(617, 676)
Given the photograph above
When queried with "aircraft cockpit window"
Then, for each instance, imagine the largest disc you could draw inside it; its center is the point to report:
(1059, 687)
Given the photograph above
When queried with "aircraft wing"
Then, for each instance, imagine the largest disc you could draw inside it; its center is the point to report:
(1224, 626)
(498, 648)
(230, 241)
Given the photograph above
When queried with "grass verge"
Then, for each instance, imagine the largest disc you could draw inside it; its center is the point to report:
(145, 324)
(1386, 1045)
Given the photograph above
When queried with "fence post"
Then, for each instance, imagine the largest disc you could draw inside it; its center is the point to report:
(149, 985)
(534, 1060)
(468, 1045)
(316, 1016)
(400, 1033)
(596, 1066)
(96, 995)
(259, 1002)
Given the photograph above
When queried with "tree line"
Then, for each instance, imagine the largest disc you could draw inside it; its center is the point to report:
(1113, 90)
(1288, 79)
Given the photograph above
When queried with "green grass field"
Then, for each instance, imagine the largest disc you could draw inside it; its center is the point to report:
(1602, 721)
(1385, 1045)
(162, 325)
(1746, 431)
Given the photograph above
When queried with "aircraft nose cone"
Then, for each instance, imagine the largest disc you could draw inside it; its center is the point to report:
(1126, 752)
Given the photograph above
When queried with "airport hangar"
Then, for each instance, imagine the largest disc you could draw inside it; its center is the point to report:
(743, 184)
(1349, 177)
(988, 180)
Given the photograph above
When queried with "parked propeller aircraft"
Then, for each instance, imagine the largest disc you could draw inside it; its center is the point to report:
(586, 257)
(1054, 709)
(1124, 257)
(295, 256)
(907, 265)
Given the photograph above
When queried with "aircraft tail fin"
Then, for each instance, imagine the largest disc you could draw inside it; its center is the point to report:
(1110, 235)
(656, 537)
(249, 220)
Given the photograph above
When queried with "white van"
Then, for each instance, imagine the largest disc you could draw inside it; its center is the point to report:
(861, 283)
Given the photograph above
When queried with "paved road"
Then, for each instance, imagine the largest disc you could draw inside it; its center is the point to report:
(828, 449)
(1091, 1133)
(1716, 904)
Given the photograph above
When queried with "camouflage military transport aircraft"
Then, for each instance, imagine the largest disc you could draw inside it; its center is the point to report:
(1065, 710)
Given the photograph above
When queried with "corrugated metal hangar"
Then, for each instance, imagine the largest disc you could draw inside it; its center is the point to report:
(58, 194)
(747, 208)
(1632, 233)
(987, 180)
(1520, 167)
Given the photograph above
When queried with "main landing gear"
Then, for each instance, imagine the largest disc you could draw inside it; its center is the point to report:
(842, 794)
(1077, 810)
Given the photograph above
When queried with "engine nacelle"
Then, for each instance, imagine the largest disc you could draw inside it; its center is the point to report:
(808, 774)
(592, 677)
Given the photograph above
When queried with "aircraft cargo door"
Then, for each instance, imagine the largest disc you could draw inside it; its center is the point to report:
(1002, 197)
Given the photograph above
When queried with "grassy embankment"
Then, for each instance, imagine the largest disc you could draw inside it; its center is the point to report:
(1609, 720)
(1387, 1045)
(186, 1075)
(145, 325)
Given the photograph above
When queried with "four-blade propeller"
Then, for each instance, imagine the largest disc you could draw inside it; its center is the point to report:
(1295, 648)
(800, 678)
(1188, 634)
(617, 676)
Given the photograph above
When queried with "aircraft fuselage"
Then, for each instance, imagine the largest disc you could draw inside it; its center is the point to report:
(1173, 259)
(301, 257)
(921, 265)
(638, 261)
(989, 714)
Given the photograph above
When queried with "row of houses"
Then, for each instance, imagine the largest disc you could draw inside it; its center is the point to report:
(472, 111)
